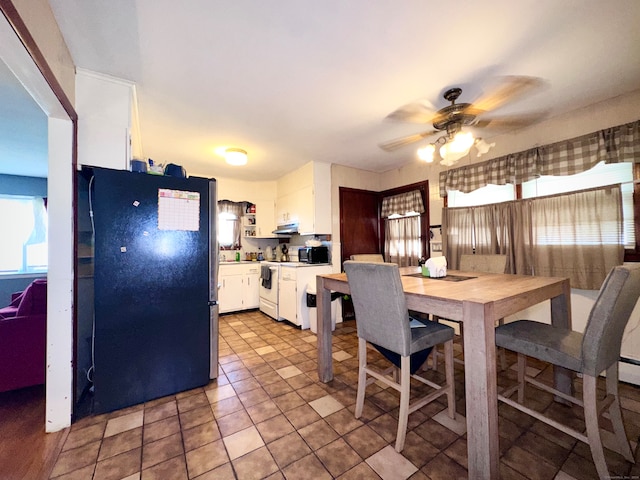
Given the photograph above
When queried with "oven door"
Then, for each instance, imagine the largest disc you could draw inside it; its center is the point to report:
(271, 294)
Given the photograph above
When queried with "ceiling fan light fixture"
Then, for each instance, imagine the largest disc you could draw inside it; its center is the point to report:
(462, 142)
(426, 153)
(482, 146)
(457, 148)
(235, 156)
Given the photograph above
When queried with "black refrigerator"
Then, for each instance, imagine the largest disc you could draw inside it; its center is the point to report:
(155, 286)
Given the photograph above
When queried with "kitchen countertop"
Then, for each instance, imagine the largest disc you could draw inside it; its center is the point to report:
(233, 262)
(296, 264)
(270, 262)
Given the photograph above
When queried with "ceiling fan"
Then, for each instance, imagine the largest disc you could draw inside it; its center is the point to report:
(451, 119)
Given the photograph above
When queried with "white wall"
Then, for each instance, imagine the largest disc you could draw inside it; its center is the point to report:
(241, 190)
(39, 19)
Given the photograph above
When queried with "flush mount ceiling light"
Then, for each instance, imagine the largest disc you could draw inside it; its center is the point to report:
(235, 156)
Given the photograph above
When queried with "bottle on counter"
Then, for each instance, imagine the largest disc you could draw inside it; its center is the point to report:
(237, 256)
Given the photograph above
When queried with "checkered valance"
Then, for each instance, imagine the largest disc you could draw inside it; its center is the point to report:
(403, 203)
(612, 145)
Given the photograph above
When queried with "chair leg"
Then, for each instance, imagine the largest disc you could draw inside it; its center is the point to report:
(362, 376)
(522, 370)
(615, 413)
(405, 393)
(434, 358)
(502, 351)
(451, 386)
(589, 394)
(434, 352)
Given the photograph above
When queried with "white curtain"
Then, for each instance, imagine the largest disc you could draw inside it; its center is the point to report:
(402, 240)
(237, 209)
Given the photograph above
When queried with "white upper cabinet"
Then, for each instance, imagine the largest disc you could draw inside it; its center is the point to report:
(287, 209)
(265, 218)
(304, 196)
(107, 124)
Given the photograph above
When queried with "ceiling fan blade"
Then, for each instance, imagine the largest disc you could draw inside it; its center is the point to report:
(509, 89)
(420, 111)
(511, 121)
(401, 142)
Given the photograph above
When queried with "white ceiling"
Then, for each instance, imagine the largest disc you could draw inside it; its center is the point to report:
(297, 80)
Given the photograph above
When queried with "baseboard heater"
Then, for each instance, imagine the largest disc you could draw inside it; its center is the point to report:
(631, 361)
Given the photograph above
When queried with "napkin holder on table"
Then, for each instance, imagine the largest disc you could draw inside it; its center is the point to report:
(437, 267)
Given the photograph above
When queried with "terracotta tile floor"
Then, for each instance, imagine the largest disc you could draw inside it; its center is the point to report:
(267, 416)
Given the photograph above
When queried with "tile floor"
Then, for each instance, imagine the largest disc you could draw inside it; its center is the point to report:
(267, 416)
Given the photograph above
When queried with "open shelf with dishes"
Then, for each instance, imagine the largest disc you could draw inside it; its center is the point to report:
(249, 224)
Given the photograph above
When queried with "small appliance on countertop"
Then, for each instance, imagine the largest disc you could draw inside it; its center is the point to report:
(313, 255)
(268, 253)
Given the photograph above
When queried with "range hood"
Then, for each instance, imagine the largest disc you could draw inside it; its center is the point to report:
(286, 229)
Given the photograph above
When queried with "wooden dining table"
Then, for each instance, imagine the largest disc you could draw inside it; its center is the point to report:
(478, 300)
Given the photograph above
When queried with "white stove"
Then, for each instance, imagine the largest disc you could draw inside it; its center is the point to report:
(286, 299)
(269, 296)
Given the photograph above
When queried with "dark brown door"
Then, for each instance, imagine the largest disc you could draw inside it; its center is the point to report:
(359, 222)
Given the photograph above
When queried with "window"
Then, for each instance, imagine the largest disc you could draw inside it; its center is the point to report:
(572, 225)
(227, 225)
(481, 196)
(229, 214)
(24, 242)
(404, 229)
(403, 238)
(600, 175)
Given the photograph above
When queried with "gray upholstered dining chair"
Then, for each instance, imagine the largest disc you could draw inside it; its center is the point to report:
(383, 320)
(378, 258)
(590, 353)
(486, 263)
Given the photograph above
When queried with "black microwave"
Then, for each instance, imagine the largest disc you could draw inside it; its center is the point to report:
(313, 255)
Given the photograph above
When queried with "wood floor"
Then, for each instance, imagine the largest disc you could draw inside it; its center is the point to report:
(26, 453)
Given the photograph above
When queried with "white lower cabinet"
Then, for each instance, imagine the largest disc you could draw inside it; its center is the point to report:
(292, 293)
(251, 292)
(288, 294)
(238, 287)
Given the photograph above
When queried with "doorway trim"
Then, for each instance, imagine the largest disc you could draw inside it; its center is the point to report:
(20, 52)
